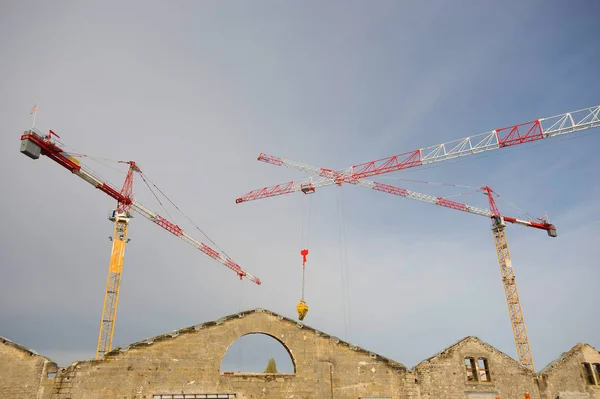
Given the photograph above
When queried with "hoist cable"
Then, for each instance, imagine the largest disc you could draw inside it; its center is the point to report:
(342, 271)
(155, 196)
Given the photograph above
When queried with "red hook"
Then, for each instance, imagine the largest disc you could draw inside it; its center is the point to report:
(304, 252)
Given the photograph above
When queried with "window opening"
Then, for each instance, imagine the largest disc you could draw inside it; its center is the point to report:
(589, 374)
(257, 353)
(471, 369)
(597, 371)
(484, 370)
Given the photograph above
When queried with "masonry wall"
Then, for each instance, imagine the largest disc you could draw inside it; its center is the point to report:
(566, 378)
(22, 374)
(444, 376)
(190, 363)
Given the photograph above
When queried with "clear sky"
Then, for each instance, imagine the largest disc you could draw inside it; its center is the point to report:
(194, 91)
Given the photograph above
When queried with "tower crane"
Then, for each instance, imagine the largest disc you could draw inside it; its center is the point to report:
(498, 226)
(539, 129)
(34, 144)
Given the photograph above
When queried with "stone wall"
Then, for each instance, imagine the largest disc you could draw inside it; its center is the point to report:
(23, 373)
(189, 363)
(445, 374)
(566, 377)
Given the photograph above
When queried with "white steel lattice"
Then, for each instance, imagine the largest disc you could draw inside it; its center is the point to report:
(539, 129)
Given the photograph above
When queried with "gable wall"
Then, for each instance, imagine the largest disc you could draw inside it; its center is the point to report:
(444, 376)
(190, 363)
(568, 377)
(21, 373)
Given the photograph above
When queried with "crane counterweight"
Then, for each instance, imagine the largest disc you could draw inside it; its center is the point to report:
(31, 149)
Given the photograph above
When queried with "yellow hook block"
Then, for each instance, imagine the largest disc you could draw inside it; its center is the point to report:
(302, 309)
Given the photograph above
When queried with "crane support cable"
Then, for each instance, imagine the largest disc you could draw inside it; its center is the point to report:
(512, 205)
(184, 215)
(428, 182)
(155, 196)
(302, 307)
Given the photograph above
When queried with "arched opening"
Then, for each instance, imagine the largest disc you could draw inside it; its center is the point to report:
(257, 353)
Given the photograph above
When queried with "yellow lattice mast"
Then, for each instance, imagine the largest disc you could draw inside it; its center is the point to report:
(509, 282)
(512, 295)
(120, 217)
(113, 283)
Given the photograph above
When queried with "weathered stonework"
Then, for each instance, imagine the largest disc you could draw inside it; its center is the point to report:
(444, 375)
(23, 373)
(188, 361)
(565, 377)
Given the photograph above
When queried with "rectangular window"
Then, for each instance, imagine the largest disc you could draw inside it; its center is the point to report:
(588, 373)
(484, 370)
(471, 369)
(597, 371)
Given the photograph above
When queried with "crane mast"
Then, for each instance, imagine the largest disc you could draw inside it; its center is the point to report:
(120, 217)
(509, 282)
(113, 284)
(34, 144)
(515, 311)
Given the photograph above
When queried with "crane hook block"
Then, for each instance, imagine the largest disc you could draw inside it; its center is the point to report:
(302, 309)
(304, 252)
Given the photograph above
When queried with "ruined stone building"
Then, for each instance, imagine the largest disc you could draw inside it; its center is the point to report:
(187, 364)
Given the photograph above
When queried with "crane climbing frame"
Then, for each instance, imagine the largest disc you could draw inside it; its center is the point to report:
(34, 144)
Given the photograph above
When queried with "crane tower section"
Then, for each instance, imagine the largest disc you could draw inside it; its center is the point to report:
(113, 282)
(509, 282)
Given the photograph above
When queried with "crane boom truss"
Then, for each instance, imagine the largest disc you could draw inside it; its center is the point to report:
(543, 128)
(539, 129)
(328, 176)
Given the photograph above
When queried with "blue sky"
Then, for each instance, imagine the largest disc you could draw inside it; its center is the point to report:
(194, 92)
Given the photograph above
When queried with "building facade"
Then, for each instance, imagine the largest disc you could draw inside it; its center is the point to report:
(187, 364)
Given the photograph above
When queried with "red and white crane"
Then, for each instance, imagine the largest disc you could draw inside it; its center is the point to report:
(498, 225)
(539, 129)
(34, 144)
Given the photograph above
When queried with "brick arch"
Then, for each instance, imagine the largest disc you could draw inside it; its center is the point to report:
(258, 332)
